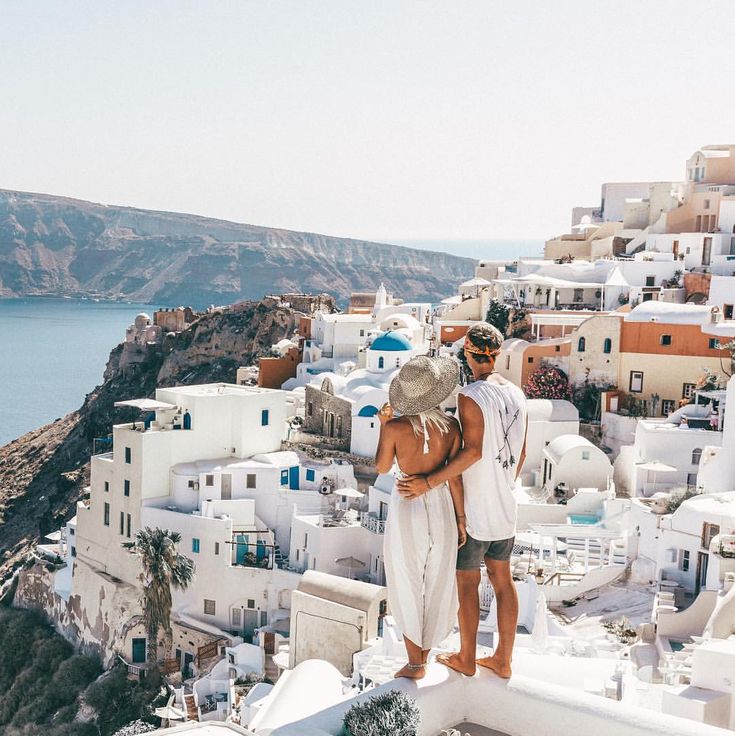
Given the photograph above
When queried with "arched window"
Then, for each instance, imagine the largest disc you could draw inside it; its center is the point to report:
(607, 345)
(581, 343)
(381, 362)
(696, 455)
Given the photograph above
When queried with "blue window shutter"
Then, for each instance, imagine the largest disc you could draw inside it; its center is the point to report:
(264, 417)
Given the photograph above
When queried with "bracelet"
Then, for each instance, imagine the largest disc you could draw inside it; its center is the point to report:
(461, 517)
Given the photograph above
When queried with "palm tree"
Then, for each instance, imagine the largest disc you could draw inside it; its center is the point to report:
(163, 568)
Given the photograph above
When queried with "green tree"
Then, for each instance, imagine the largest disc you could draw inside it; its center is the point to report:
(164, 568)
(498, 315)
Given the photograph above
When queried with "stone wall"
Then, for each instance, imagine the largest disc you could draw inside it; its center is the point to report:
(319, 420)
(103, 619)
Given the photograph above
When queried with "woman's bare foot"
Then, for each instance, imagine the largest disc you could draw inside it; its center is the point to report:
(412, 671)
(455, 662)
(501, 667)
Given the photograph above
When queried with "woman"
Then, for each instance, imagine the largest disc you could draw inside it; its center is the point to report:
(422, 534)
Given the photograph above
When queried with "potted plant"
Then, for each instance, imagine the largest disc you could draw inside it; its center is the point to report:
(391, 712)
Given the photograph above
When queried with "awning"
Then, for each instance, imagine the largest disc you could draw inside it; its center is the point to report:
(54, 536)
(146, 404)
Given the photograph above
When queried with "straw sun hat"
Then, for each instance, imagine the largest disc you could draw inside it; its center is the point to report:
(422, 384)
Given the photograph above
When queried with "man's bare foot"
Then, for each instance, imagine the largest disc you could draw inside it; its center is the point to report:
(500, 667)
(412, 672)
(457, 663)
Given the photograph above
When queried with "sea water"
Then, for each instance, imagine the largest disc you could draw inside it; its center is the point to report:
(52, 353)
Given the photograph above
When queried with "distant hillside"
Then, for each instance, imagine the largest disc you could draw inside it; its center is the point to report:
(58, 246)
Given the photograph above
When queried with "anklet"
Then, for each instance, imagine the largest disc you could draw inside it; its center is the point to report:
(415, 667)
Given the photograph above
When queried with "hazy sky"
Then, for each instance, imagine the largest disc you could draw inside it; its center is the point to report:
(381, 119)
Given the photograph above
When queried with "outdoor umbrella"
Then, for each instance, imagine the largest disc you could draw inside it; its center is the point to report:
(349, 562)
(656, 467)
(169, 713)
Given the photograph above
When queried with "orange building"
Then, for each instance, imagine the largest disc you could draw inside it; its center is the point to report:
(663, 352)
(274, 372)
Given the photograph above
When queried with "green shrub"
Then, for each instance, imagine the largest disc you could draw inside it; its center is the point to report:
(392, 712)
(42, 681)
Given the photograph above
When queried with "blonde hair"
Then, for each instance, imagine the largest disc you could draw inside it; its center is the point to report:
(434, 418)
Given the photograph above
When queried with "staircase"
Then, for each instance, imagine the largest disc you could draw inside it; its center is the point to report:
(278, 558)
(192, 713)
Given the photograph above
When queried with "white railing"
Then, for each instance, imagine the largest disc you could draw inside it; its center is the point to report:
(373, 524)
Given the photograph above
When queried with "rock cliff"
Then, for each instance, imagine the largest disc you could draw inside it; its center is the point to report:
(58, 246)
(44, 472)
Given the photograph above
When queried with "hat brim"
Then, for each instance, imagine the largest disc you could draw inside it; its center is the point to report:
(441, 390)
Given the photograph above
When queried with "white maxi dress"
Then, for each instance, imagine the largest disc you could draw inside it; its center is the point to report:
(420, 556)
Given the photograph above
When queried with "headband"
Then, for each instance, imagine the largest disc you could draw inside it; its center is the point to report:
(470, 347)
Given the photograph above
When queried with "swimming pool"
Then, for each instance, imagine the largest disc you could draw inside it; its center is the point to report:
(588, 519)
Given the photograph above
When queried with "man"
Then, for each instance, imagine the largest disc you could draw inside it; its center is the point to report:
(492, 412)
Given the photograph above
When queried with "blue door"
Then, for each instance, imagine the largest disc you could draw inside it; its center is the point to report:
(241, 548)
(293, 482)
(138, 651)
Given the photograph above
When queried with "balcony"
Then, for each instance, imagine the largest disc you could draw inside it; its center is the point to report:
(373, 524)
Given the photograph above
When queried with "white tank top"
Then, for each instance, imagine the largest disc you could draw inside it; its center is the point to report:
(490, 506)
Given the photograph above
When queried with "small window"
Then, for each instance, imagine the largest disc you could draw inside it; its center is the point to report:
(530, 359)
(309, 408)
(696, 455)
(310, 474)
(236, 616)
(381, 362)
(692, 480)
(284, 477)
(714, 343)
(684, 560)
(306, 541)
(650, 281)
(636, 382)
(251, 603)
(208, 480)
(209, 607)
(107, 486)
(687, 390)
(128, 455)
(507, 362)
(264, 417)
(666, 340)
(127, 526)
(195, 545)
(250, 480)
(706, 204)
(106, 518)
(585, 454)
(668, 406)
(607, 346)
(126, 487)
(122, 522)
(216, 548)
(190, 484)
(581, 344)
(557, 348)
(362, 333)
(727, 310)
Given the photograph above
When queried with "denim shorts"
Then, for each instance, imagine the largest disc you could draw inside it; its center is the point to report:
(471, 554)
